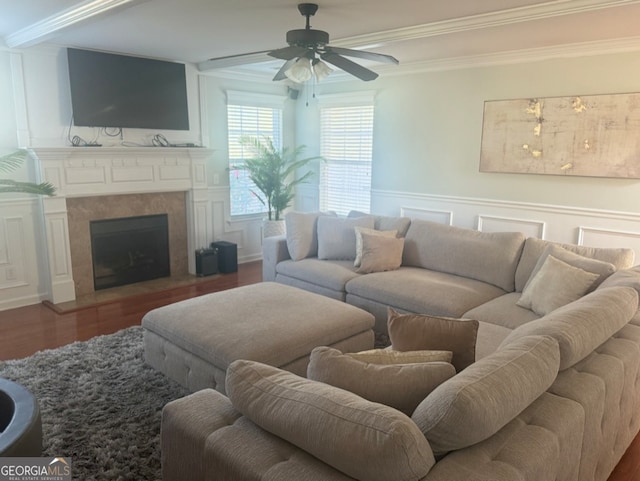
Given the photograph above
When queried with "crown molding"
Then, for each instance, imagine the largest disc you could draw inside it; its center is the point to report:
(476, 22)
(45, 29)
(513, 57)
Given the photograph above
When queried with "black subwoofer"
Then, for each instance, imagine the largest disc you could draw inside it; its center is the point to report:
(227, 256)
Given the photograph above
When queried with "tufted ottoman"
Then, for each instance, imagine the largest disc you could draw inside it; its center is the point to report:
(194, 341)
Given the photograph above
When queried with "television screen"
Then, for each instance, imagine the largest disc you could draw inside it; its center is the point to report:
(110, 90)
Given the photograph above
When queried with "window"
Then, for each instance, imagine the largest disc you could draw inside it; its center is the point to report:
(253, 116)
(347, 146)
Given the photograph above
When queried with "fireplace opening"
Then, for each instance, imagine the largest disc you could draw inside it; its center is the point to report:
(129, 250)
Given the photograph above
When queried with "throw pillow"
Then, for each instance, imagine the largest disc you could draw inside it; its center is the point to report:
(389, 356)
(401, 386)
(359, 231)
(380, 253)
(477, 403)
(555, 285)
(603, 269)
(386, 222)
(367, 441)
(302, 234)
(415, 332)
(337, 236)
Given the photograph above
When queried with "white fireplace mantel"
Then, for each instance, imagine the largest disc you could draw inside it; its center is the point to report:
(95, 171)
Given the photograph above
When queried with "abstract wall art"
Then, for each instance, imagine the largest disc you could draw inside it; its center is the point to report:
(591, 135)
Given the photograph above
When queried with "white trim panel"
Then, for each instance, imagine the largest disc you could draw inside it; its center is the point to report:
(493, 223)
(574, 225)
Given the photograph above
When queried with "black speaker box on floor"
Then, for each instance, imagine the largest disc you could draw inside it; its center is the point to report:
(206, 262)
(227, 256)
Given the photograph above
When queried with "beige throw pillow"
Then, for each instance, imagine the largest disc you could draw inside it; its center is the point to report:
(401, 386)
(603, 269)
(414, 332)
(380, 253)
(389, 356)
(555, 285)
(360, 231)
(367, 441)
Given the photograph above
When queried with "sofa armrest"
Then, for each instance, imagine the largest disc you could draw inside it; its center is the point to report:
(186, 425)
(274, 250)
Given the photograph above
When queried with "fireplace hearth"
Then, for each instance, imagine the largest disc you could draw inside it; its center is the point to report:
(129, 250)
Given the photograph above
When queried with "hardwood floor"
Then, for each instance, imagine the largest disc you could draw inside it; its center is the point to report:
(27, 330)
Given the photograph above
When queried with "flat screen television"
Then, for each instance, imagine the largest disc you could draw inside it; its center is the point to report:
(112, 90)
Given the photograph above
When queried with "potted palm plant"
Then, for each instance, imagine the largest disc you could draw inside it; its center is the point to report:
(273, 173)
(12, 161)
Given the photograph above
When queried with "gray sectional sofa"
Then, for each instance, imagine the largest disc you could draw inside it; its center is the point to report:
(554, 393)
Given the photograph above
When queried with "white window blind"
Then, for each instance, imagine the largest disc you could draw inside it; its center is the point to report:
(249, 116)
(347, 146)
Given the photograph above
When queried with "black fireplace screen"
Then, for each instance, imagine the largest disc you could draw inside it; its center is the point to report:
(130, 249)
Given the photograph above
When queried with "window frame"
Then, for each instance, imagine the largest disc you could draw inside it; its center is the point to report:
(344, 101)
(253, 101)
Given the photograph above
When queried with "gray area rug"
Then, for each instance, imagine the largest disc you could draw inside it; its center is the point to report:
(100, 404)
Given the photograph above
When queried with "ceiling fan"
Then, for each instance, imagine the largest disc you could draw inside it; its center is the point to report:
(308, 51)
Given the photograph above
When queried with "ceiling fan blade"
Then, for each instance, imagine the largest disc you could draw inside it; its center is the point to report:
(281, 73)
(234, 60)
(287, 53)
(378, 57)
(349, 66)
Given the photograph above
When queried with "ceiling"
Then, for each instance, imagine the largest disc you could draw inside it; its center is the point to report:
(417, 33)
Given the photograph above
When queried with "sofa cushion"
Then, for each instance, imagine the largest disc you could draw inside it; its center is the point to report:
(413, 332)
(302, 234)
(337, 236)
(490, 336)
(533, 248)
(328, 274)
(603, 269)
(365, 440)
(555, 285)
(478, 402)
(401, 386)
(503, 311)
(490, 257)
(421, 290)
(389, 356)
(359, 231)
(583, 325)
(380, 253)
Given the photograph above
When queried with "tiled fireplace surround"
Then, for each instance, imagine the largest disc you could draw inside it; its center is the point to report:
(98, 183)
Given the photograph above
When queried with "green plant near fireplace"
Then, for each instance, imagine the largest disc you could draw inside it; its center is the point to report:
(12, 161)
(272, 171)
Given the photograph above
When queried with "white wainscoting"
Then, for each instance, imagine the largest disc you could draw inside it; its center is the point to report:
(245, 231)
(22, 253)
(589, 227)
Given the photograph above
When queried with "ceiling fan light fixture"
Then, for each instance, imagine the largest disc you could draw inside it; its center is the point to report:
(300, 71)
(321, 70)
